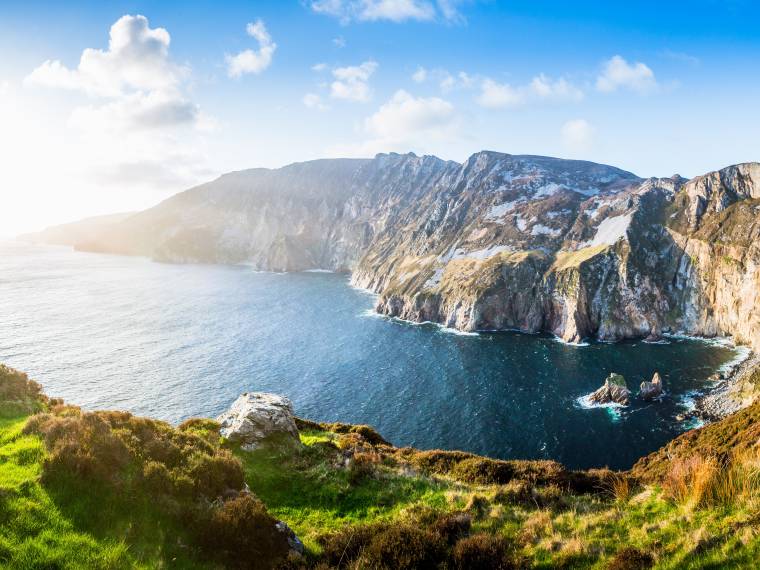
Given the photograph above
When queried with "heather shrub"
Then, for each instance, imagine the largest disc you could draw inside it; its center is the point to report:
(341, 547)
(403, 547)
(483, 552)
(483, 471)
(515, 492)
(452, 527)
(630, 558)
(204, 428)
(18, 394)
(362, 466)
(215, 474)
(241, 534)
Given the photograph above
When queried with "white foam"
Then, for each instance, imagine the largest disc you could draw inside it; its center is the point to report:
(742, 354)
(439, 326)
(318, 271)
(568, 343)
(586, 404)
(372, 314)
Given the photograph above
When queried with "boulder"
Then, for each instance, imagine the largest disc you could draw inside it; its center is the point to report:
(651, 390)
(614, 391)
(295, 545)
(257, 416)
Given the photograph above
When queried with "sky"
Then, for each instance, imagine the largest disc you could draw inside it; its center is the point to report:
(114, 106)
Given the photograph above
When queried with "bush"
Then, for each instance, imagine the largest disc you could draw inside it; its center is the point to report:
(341, 547)
(402, 547)
(483, 552)
(215, 474)
(18, 394)
(630, 558)
(452, 527)
(362, 466)
(202, 427)
(516, 493)
(242, 534)
(483, 471)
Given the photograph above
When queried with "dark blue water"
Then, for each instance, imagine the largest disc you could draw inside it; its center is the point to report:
(174, 341)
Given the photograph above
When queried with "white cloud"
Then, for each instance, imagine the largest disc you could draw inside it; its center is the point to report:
(152, 110)
(420, 75)
(319, 67)
(135, 75)
(682, 57)
(577, 135)
(619, 73)
(404, 123)
(388, 10)
(404, 114)
(351, 82)
(447, 81)
(544, 87)
(137, 59)
(136, 115)
(314, 101)
(339, 42)
(253, 61)
(494, 95)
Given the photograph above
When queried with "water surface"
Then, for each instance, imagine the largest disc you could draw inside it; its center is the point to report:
(175, 341)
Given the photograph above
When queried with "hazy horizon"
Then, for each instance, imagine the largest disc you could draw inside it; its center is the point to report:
(115, 107)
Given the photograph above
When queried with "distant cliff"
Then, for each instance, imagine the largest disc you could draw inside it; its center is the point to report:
(532, 243)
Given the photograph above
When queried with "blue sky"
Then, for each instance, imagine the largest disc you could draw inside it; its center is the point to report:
(649, 87)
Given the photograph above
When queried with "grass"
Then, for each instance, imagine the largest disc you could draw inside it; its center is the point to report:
(304, 488)
(344, 484)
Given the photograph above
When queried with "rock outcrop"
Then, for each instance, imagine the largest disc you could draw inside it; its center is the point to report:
(572, 248)
(614, 391)
(649, 391)
(256, 417)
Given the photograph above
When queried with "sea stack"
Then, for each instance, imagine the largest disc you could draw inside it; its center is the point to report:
(614, 391)
(651, 390)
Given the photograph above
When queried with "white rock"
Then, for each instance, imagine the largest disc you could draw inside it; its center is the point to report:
(256, 416)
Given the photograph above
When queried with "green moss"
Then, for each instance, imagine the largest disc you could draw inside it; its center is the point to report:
(571, 259)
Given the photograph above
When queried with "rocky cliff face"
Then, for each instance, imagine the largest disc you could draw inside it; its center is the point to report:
(499, 242)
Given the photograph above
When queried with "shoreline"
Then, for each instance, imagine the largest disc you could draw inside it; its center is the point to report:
(727, 396)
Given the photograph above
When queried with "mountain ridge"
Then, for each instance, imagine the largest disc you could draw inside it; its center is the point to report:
(500, 241)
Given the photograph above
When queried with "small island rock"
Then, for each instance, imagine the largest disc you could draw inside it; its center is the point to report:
(614, 391)
(651, 390)
(256, 416)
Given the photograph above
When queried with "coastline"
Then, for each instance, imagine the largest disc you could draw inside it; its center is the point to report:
(731, 392)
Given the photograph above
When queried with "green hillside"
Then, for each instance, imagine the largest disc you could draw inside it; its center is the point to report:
(111, 490)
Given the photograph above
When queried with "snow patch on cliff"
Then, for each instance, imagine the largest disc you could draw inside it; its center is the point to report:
(611, 230)
(540, 229)
(497, 212)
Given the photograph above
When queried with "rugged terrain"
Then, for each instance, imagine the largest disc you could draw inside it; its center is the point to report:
(110, 490)
(499, 242)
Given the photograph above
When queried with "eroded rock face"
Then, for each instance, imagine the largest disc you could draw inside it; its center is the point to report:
(649, 391)
(498, 242)
(614, 391)
(257, 416)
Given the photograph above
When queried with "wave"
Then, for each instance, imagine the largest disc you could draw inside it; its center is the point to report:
(568, 343)
(318, 271)
(371, 313)
(584, 403)
(742, 354)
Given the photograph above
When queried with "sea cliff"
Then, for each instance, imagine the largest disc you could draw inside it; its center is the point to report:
(573, 248)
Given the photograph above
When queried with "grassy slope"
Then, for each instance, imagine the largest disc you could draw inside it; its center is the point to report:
(72, 525)
(67, 524)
